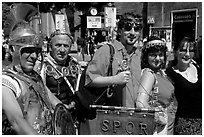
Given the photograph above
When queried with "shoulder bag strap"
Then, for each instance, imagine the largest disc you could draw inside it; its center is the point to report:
(108, 91)
(110, 68)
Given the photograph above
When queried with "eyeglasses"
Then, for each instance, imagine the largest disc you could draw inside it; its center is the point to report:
(31, 50)
(129, 25)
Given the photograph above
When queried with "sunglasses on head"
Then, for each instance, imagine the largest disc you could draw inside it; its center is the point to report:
(129, 25)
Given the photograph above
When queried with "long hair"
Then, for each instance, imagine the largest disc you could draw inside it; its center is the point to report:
(149, 47)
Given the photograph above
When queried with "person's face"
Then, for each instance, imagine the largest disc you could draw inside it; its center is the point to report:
(130, 33)
(185, 53)
(61, 45)
(156, 59)
(28, 58)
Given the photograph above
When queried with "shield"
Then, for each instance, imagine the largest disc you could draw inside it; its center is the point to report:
(62, 122)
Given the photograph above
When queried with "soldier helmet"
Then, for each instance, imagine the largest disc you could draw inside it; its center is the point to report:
(23, 36)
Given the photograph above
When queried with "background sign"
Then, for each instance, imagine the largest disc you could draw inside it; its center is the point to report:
(93, 21)
(150, 20)
(184, 24)
(110, 17)
(60, 22)
(185, 16)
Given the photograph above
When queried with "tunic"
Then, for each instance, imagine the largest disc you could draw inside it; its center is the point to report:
(56, 82)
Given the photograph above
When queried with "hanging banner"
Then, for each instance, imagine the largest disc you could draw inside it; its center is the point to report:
(60, 22)
(93, 21)
(110, 16)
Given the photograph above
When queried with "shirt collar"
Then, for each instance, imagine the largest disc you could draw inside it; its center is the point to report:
(120, 47)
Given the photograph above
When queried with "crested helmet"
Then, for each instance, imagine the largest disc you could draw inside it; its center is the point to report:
(23, 36)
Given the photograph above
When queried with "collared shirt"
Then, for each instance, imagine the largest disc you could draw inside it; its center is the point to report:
(124, 95)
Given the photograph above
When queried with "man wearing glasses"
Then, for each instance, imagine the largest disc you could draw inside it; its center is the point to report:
(27, 104)
(126, 63)
(125, 66)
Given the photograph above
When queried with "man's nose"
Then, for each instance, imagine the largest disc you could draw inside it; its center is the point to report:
(62, 48)
(132, 30)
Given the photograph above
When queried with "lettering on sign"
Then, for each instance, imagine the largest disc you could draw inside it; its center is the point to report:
(93, 21)
(130, 128)
(184, 16)
(150, 20)
(105, 125)
(114, 126)
(143, 129)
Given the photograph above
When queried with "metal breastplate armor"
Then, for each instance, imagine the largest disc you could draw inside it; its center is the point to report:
(58, 85)
(33, 100)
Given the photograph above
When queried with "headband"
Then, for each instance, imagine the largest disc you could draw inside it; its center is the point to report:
(154, 43)
(57, 32)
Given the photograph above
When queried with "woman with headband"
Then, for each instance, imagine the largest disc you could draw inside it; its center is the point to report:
(155, 90)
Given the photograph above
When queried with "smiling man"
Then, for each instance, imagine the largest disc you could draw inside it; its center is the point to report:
(125, 66)
(27, 105)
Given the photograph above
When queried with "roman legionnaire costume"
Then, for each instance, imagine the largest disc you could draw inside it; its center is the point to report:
(28, 88)
(33, 101)
(61, 80)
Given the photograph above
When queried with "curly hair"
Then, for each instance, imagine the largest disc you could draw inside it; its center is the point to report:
(129, 17)
(151, 47)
